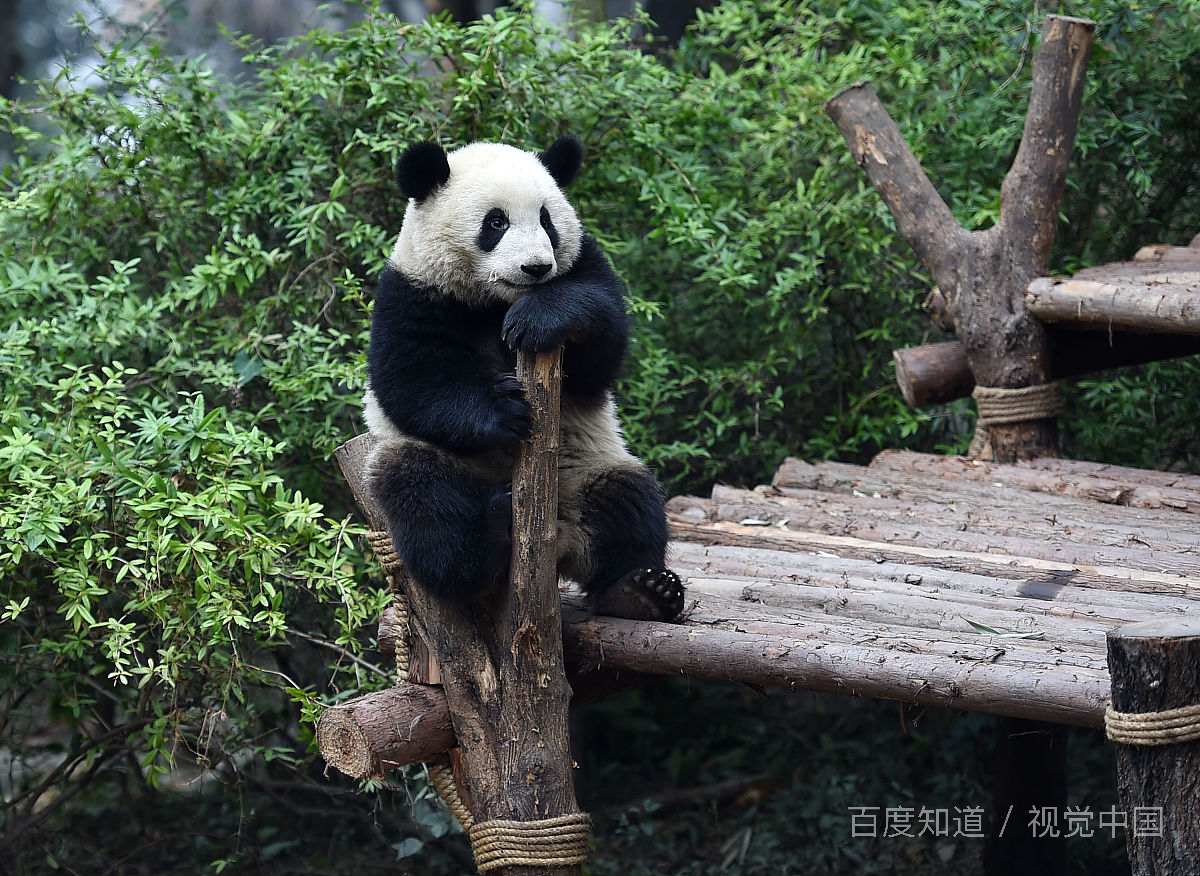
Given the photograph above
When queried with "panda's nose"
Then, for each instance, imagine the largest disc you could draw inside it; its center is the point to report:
(537, 271)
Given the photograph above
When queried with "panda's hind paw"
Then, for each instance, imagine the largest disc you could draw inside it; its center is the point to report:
(643, 594)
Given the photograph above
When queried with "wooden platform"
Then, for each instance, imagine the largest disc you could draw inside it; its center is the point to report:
(920, 578)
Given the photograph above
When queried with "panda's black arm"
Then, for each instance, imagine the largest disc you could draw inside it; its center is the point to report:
(428, 376)
(583, 309)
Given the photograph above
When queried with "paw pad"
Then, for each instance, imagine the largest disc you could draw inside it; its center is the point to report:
(643, 594)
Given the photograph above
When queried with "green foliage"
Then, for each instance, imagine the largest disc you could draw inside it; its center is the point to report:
(185, 274)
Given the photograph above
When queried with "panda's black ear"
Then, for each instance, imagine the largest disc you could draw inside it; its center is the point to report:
(563, 159)
(421, 169)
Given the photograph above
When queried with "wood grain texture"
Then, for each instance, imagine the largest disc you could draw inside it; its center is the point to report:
(1160, 303)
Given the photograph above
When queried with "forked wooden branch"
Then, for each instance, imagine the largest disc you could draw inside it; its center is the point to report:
(983, 275)
(500, 658)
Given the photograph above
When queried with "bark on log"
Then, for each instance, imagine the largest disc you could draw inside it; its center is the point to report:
(1165, 307)
(751, 571)
(983, 275)
(938, 373)
(851, 669)
(933, 374)
(953, 526)
(963, 502)
(1155, 667)
(974, 558)
(380, 731)
(531, 728)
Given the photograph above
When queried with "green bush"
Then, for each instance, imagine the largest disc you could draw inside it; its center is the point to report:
(185, 275)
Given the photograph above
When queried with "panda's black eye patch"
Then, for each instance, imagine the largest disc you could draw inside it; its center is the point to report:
(495, 223)
(548, 227)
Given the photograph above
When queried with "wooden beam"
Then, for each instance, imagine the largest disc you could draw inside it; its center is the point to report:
(834, 667)
(933, 374)
(377, 732)
(1170, 306)
(937, 373)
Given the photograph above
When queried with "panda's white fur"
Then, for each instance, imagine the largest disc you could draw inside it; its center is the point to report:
(436, 246)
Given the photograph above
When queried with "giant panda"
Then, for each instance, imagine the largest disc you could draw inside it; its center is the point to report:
(491, 258)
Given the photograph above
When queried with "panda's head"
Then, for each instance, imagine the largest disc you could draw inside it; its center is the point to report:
(486, 222)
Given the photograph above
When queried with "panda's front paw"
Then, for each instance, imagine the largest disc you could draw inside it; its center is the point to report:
(514, 420)
(531, 326)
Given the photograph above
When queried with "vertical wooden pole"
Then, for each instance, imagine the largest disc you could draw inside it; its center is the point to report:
(1155, 667)
(500, 658)
(535, 758)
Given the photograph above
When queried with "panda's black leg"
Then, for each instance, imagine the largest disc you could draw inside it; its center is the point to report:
(625, 522)
(452, 531)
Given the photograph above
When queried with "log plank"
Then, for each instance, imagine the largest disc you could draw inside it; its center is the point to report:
(1166, 303)
(1105, 485)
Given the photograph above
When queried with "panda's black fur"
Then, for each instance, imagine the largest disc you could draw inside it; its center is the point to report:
(491, 259)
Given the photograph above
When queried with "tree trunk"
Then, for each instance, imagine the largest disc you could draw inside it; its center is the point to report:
(1155, 667)
(983, 275)
(500, 658)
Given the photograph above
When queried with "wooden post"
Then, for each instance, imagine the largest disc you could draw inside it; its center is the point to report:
(1155, 667)
(531, 724)
(500, 658)
(982, 277)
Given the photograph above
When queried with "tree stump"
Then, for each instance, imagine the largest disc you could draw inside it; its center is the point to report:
(1155, 668)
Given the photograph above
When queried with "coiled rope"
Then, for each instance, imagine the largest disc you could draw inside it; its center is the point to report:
(1168, 727)
(997, 405)
(551, 842)
(393, 570)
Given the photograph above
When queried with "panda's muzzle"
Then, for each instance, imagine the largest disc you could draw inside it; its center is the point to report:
(537, 271)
